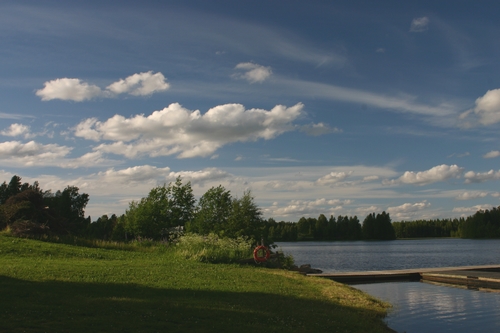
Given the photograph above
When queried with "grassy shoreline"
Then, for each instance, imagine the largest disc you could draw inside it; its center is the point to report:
(49, 287)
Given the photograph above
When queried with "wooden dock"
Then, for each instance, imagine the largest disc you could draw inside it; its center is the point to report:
(475, 277)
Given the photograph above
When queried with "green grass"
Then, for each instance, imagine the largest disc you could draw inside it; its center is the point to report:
(48, 287)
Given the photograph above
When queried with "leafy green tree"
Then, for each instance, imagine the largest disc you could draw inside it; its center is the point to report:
(103, 227)
(213, 212)
(245, 218)
(15, 187)
(70, 205)
(164, 207)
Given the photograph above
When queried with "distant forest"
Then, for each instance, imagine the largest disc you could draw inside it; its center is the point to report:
(28, 210)
(483, 224)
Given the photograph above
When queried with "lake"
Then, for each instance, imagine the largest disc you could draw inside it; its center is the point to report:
(417, 306)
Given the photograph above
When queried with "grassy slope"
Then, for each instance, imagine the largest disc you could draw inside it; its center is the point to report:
(46, 287)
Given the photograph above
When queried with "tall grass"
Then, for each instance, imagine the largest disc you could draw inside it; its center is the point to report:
(213, 248)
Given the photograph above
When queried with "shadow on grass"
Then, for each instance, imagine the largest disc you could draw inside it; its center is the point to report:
(56, 306)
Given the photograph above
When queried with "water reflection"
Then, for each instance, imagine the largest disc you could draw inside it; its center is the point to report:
(423, 307)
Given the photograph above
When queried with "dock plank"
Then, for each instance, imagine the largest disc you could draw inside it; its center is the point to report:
(483, 276)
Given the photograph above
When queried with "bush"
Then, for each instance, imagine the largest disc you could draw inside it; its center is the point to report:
(25, 228)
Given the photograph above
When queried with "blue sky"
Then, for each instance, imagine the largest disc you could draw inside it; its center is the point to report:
(335, 108)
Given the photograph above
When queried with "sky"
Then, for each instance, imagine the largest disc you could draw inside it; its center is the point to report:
(317, 107)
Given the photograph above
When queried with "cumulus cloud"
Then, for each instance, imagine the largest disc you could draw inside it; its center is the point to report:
(436, 174)
(487, 108)
(305, 207)
(31, 153)
(480, 177)
(68, 90)
(419, 24)
(407, 210)
(333, 178)
(492, 154)
(35, 154)
(252, 72)
(17, 130)
(176, 130)
(471, 195)
(319, 129)
(73, 89)
(141, 84)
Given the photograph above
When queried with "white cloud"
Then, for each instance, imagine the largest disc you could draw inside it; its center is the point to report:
(471, 195)
(176, 130)
(305, 207)
(407, 210)
(31, 153)
(136, 174)
(202, 176)
(68, 90)
(333, 178)
(318, 129)
(495, 194)
(492, 154)
(17, 130)
(363, 211)
(253, 72)
(370, 178)
(436, 174)
(470, 210)
(402, 103)
(91, 159)
(34, 154)
(419, 24)
(479, 177)
(487, 108)
(141, 84)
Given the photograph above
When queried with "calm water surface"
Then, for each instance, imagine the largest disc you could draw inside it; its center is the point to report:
(417, 307)
(398, 254)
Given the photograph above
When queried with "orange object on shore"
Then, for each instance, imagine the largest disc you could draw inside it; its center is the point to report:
(261, 253)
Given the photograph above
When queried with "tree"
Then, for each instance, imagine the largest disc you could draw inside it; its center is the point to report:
(164, 207)
(213, 211)
(321, 228)
(378, 227)
(70, 205)
(15, 187)
(245, 218)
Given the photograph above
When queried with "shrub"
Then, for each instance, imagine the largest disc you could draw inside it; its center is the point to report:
(24, 228)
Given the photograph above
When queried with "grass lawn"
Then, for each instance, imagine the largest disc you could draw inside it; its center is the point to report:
(48, 287)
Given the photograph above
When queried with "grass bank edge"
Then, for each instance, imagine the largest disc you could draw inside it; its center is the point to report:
(165, 269)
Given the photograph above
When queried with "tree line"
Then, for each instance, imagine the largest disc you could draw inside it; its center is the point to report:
(26, 208)
(374, 227)
(167, 209)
